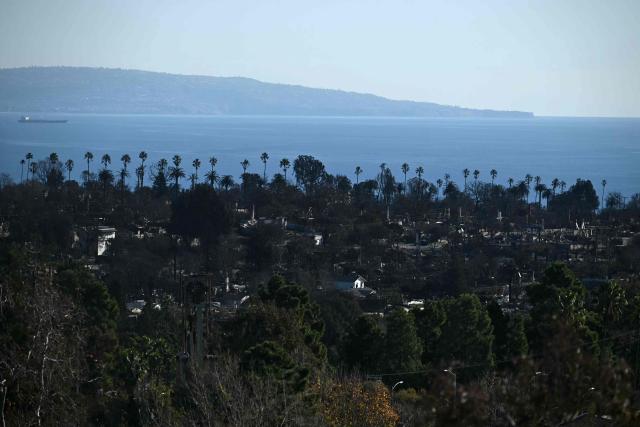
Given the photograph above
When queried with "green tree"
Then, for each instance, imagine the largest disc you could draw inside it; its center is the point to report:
(363, 345)
(176, 172)
(285, 165)
(467, 335)
(402, 350)
(263, 158)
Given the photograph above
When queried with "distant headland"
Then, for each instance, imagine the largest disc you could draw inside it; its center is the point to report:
(117, 91)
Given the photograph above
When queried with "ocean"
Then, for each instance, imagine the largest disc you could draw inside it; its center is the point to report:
(563, 148)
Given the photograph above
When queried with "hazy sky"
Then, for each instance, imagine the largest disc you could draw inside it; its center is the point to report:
(552, 57)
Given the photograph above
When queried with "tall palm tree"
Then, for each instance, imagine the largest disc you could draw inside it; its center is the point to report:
(405, 170)
(546, 194)
(536, 186)
(527, 180)
(358, 172)
(476, 174)
(510, 182)
(88, 156)
(33, 166)
(53, 159)
(447, 178)
(212, 175)
(465, 173)
(140, 172)
(245, 164)
(419, 172)
(554, 185)
(540, 188)
(493, 174)
(125, 159)
(176, 172)
(226, 182)
(106, 160)
(284, 165)
(22, 162)
(196, 164)
(562, 186)
(123, 176)
(264, 157)
(523, 190)
(439, 184)
(604, 184)
(69, 166)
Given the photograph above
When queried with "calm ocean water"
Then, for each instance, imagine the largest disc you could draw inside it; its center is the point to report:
(564, 148)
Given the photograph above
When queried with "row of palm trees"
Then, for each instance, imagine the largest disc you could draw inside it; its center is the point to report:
(175, 173)
(541, 190)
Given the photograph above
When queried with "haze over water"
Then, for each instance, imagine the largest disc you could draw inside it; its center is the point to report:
(564, 148)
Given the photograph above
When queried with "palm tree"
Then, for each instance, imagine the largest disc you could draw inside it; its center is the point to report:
(193, 179)
(554, 184)
(123, 176)
(106, 160)
(465, 173)
(34, 168)
(539, 188)
(226, 182)
(546, 194)
(604, 184)
(493, 174)
(476, 174)
(53, 159)
(523, 190)
(139, 175)
(69, 166)
(405, 170)
(29, 156)
(212, 177)
(143, 157)
(89, 158)
(264, 157)
(176, 172)
(562, 186)
(447, 178)
(358, 172)
(213, 162)
(125, 159)
(510, 182)
(527, 180)
(22, 162)
(419, 172)
(196, 164)
(284, 165)
(439, 184)
(245, 164)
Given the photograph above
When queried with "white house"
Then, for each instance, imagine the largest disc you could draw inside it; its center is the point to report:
(352, 281)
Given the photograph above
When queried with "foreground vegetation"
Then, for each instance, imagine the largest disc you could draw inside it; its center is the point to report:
(294, 350)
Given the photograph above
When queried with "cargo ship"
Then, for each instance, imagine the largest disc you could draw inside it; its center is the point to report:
(27, 119)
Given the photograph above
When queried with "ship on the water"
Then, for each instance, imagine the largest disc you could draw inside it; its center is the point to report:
(27, 119)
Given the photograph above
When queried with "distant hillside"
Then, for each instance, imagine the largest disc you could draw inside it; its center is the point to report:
(101, 90)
